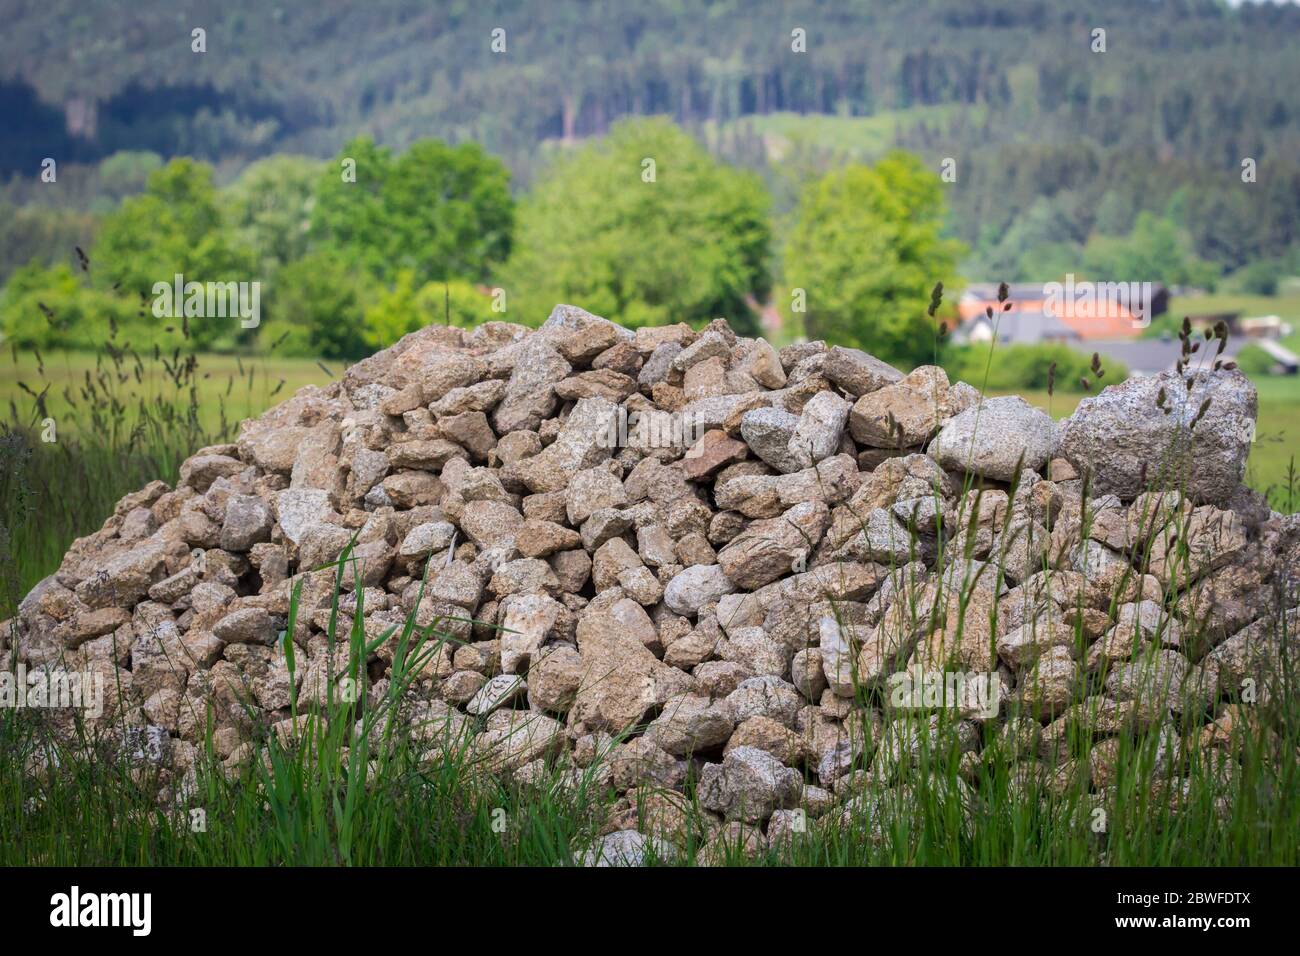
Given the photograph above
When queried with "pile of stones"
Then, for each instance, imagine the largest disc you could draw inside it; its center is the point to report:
(679, 560)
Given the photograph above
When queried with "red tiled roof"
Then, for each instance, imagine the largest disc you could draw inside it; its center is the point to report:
(1089, 320)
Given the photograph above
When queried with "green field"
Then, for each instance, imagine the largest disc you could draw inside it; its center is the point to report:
(228, 388)
(858, 137)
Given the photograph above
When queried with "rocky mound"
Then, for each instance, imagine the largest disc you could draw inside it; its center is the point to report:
(677, 553)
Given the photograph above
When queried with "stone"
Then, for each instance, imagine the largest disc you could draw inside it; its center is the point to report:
(768, 432)
(530, 391)
(526, 622)
(624, 848)
(713, 451)
(695, 587)
(995, 438)
(689, 723)
(496, 693)
(621, 678)
(902, 414)
(772, 548)
(1128, 444)
(857, 372)
(748, 785)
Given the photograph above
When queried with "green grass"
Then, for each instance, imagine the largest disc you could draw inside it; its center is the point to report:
(228, 387)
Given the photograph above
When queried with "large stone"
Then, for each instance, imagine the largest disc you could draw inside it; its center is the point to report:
(903, 414)
(696, 586)
(857, 372)
(995, 438)
(530, 392)
(774, 547)
(748, 785)
(528, 620)
(768, 432)
(821, 424)
(1128, 444)
(621, 679)
(689, 723)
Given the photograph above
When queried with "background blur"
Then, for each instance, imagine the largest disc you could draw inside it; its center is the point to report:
(803, 169)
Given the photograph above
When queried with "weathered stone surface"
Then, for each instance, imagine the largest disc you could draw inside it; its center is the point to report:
(772, 548)
(902, 414)
(689, 723)
(857, 372)
(530, 392)
(748, 785)
(621, 679)
(1128, 444)
(768, 432)
(996, 437)
(694, 587)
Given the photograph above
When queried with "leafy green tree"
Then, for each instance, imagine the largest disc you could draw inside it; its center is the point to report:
(174, 227)
(316, 308)
(404, 308)
(440, 211)
(270, 205)
(127, 172)
(867, 247)
(1155, 251)
(1030, 249)
(48, 307)
(687, 243)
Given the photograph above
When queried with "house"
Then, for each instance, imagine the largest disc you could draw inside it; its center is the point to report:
(1262, 327)
(1059, 312)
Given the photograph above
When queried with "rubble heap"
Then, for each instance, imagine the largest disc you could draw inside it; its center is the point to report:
(673, 553)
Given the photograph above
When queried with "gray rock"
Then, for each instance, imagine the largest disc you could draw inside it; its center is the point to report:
(530, 392)
(300, 508)
(749, 785)
(496, 693)
(990, 439)
(696, 586)
(771, 548)
(857, 372)
(426, 539)
(689, 723)
(821, 425)
(768, 432)
(1119, 432)
(626, 848)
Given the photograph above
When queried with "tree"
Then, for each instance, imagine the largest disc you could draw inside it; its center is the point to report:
(867, 248)
(1155, 251)
(440, 211)
(270, 205)
(316, 306)
(174, 227)
(405, 308)
(642, 227)
(49, 307)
